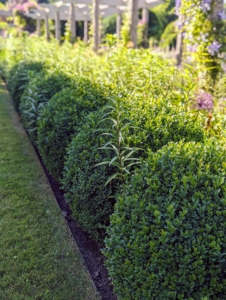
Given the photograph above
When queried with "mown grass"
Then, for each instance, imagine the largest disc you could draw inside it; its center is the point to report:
(38, 259)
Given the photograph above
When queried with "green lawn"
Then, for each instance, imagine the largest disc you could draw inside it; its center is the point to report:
(38, 259)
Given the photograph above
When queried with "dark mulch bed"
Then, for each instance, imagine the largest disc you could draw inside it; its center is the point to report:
(89, 249)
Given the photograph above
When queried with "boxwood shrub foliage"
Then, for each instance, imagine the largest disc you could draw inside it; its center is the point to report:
(90, 199)
(167, 236)
(61, 118)
(37, 93)
(135, 122)
(160, 120)
(19, 77)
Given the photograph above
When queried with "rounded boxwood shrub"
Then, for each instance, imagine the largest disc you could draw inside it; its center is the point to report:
(167, 236)
(37, 93)
(60, 119)
(158, 121)
(19, 77)
(90, 199)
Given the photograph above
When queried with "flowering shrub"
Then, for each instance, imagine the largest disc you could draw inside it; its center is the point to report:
(24, 7)
(203, 32)
(20, 19)
(204, 101)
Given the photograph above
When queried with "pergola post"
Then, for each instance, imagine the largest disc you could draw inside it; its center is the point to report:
(72, 22)
(118, 25)
(57, 25)
(86, 31)
(179, 44)
(133, 20)
(179, 48)
(38, 26)
(46, 26)
(95, 25)
(145, 18)
(100, 29)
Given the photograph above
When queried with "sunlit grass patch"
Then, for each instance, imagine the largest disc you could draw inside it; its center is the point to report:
(38, 259)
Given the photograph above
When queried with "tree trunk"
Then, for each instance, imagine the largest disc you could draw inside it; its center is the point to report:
(133, 20)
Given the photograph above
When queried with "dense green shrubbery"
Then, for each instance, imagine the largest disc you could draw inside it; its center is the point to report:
(84, 182)
(167, 237)
(151, 252)
(158, 121)
(146, 125)
(37, 93)
(19, 77)
(61, 118)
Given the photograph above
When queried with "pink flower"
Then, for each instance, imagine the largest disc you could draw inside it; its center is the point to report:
(142, 22)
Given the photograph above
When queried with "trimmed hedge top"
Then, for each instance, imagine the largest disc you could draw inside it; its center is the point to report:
(167, 238)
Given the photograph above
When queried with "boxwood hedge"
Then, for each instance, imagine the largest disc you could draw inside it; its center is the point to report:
(167, 237)
(84, 182)
(151, 125)
(37, 93)
(159, 120)
(60, 120)
(19, 77)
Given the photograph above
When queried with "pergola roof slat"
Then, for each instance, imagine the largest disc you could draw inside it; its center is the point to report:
(64, 15)
(117, 3)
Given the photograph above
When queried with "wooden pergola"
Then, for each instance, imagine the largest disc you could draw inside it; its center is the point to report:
(93, 10)
(117, 6)
(62, 13)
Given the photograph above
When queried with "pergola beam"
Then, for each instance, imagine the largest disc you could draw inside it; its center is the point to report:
(105, 11)
(118, 3)
(63, 15)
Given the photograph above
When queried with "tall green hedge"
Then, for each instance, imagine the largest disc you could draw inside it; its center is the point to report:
(60, 120)
(149, 126)
(37, 93)
(158, 120)
(167, 237)
(19, 77)
(84, 182)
